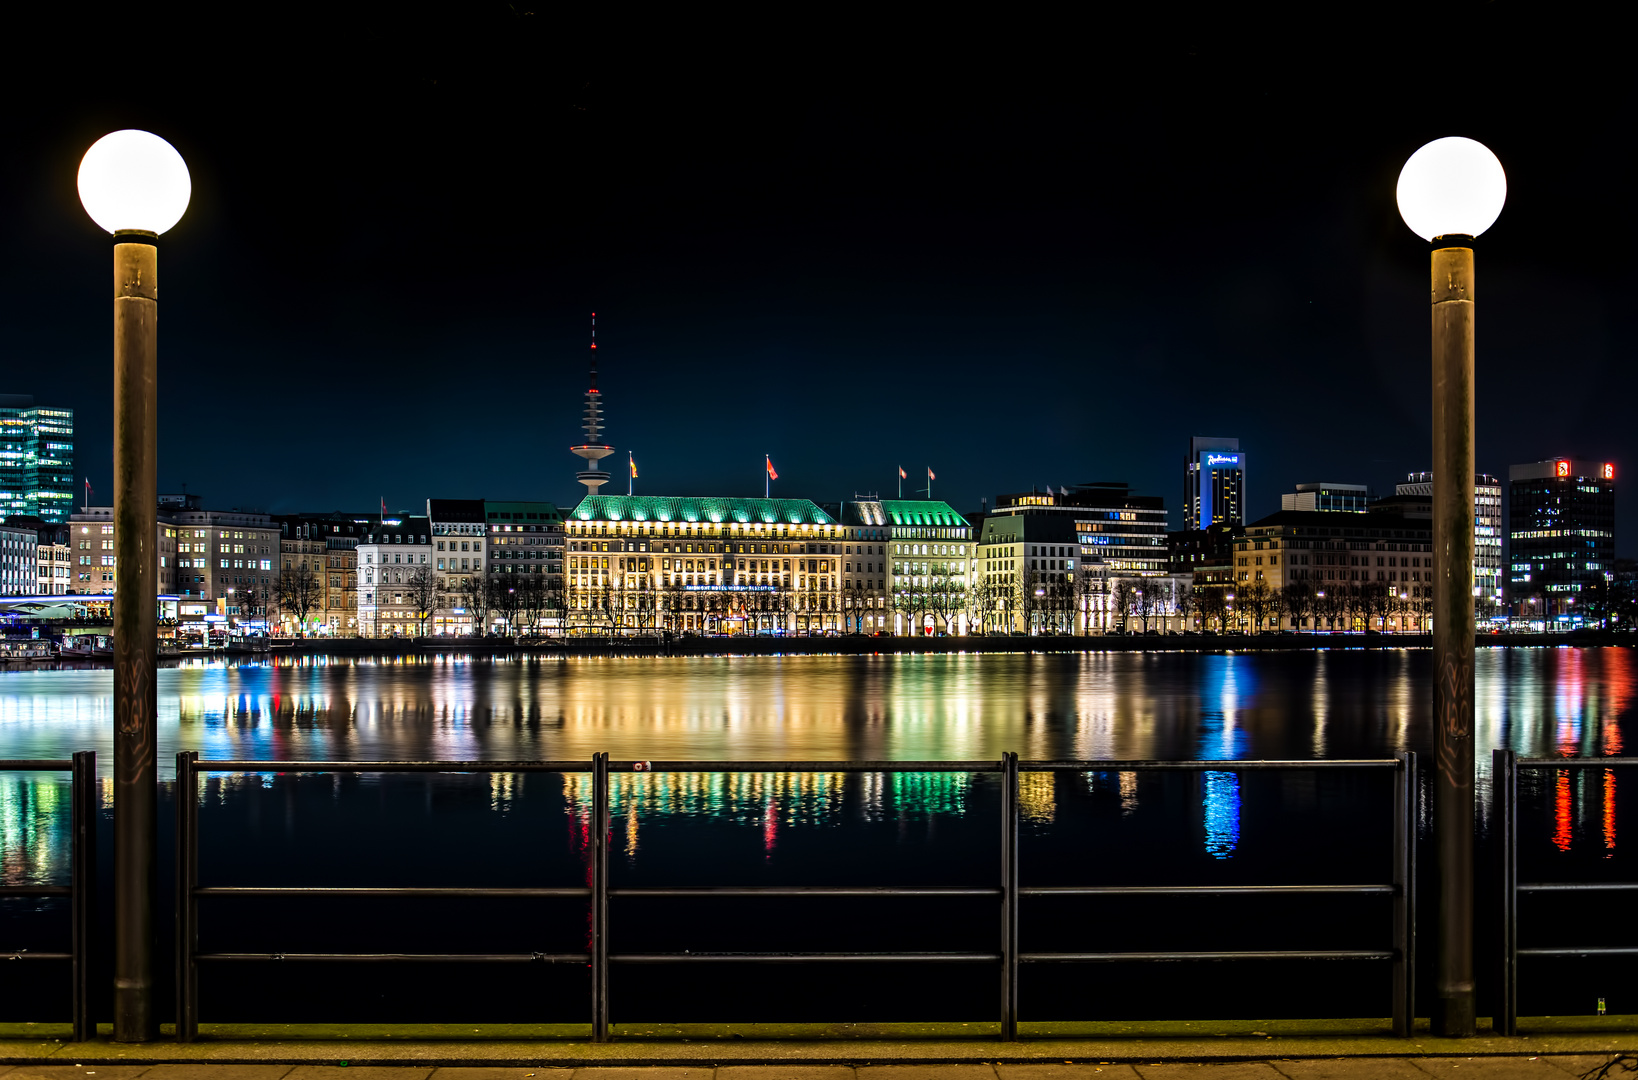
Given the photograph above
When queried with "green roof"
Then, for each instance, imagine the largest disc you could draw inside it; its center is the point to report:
(667, 508)
(921, 512)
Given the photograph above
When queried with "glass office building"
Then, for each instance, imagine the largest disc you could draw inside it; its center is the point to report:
(1560, 533)
(1214, 483)
(36, 459)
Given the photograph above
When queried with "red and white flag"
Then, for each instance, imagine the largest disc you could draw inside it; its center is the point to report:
(930, 475)
(902, 474)
(772, 475)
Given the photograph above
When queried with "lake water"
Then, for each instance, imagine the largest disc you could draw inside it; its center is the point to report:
(1102, 826)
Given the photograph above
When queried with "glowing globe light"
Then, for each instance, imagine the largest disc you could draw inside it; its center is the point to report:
(1451, 187)
(134, 180)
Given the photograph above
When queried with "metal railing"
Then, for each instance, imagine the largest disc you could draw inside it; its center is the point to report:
(81, 889)
(1505, 778)
(1007, 892)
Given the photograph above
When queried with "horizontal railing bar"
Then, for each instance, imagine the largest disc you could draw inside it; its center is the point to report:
(24, 954)
(430, 892)
(804, 766)
(1614, 950)
(1261, 954)
(1574, 762)
(393, 958)
(1231, 765)
(1207, 890)
(804, 957)
(811, 890)
(1578, 886)
(35, 890)
(393, 766)
(35, 765)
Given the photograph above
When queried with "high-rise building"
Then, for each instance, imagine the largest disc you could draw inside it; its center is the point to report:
(1487, 528)
(1560, 534)
(1214, 483)
(1342, 498)
(36, 459)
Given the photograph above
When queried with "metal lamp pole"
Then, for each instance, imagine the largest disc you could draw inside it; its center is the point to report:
(136, 186)
(1449, 192)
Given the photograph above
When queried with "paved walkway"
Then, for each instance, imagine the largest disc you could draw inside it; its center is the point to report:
(1558, 1067)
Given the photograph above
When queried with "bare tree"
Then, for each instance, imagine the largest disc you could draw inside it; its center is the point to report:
(300, 590)
(532, 601)
(1298, 600)
(475, 596)
(1212, 605)
(425, 593)
(1123, 595)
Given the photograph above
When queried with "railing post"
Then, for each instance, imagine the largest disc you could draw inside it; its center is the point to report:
(1009, 897)
(1406, 799)
(83, 883)
(1505, 777)
(600, 897)
(187, 904)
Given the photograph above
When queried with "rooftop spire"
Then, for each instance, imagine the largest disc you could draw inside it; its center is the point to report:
(594, 449)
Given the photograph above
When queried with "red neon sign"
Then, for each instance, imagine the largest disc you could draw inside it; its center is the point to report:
(1609, 470)
(1561, 468)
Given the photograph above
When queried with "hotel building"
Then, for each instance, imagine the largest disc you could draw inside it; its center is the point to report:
(1214, 483)
(638, 564)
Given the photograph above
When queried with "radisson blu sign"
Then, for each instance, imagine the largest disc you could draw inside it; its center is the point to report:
(1218, 461)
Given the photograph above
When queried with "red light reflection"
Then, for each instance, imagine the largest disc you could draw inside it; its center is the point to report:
(1563, 813)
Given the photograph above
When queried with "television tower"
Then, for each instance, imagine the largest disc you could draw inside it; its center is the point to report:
(594, 451)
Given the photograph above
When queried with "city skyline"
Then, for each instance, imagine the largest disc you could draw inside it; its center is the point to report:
(899, 267)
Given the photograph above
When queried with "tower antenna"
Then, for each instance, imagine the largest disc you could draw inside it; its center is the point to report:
(594, 449)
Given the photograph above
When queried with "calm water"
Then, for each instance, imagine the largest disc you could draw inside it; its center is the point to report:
(1099, 827)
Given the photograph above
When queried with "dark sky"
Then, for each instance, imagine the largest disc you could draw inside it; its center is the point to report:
(1021, 254)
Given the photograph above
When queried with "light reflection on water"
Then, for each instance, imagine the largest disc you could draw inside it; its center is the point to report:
(1539, 702)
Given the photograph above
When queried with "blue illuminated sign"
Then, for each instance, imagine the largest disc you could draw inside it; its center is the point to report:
(1217, 461)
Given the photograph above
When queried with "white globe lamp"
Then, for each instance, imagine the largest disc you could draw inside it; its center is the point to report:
(135, 185)
(1451, 187)
(134, 181)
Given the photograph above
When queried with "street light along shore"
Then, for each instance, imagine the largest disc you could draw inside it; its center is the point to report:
(1449, 192)
(135, 185)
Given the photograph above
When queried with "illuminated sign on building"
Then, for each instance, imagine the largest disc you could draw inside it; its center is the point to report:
(1215, 460)
(1609, 470)
(1561, 468)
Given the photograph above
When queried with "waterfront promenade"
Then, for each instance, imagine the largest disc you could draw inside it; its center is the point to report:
(1550, 1048)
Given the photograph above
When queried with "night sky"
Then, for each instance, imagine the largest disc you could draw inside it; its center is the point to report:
(1022, 255)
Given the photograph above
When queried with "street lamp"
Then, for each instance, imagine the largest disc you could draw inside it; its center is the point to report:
(1449, 192)
(136, 186)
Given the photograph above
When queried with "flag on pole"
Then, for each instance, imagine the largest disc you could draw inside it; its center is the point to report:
(930, 475)
(902, 474)
(772, 475)
(630, 457)
(383, 507)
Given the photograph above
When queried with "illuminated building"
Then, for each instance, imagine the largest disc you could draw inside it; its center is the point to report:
(36, 459)
(1103, 534)
(329, 544)
(203, 554)
(866, 605)
(395, 559)
(640, 563)
(19, 557)
(526, 538)
(1560, 535)
(53, 563)
(1335, 498)
(1375, 570)
(1214, 483)
(460, 539)
(930, 559)
(1487, 528)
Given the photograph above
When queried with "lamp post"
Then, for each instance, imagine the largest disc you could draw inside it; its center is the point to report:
(1449, 192)
(136, 186)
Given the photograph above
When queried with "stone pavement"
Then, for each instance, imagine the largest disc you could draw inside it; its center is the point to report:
(1555, 1067)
